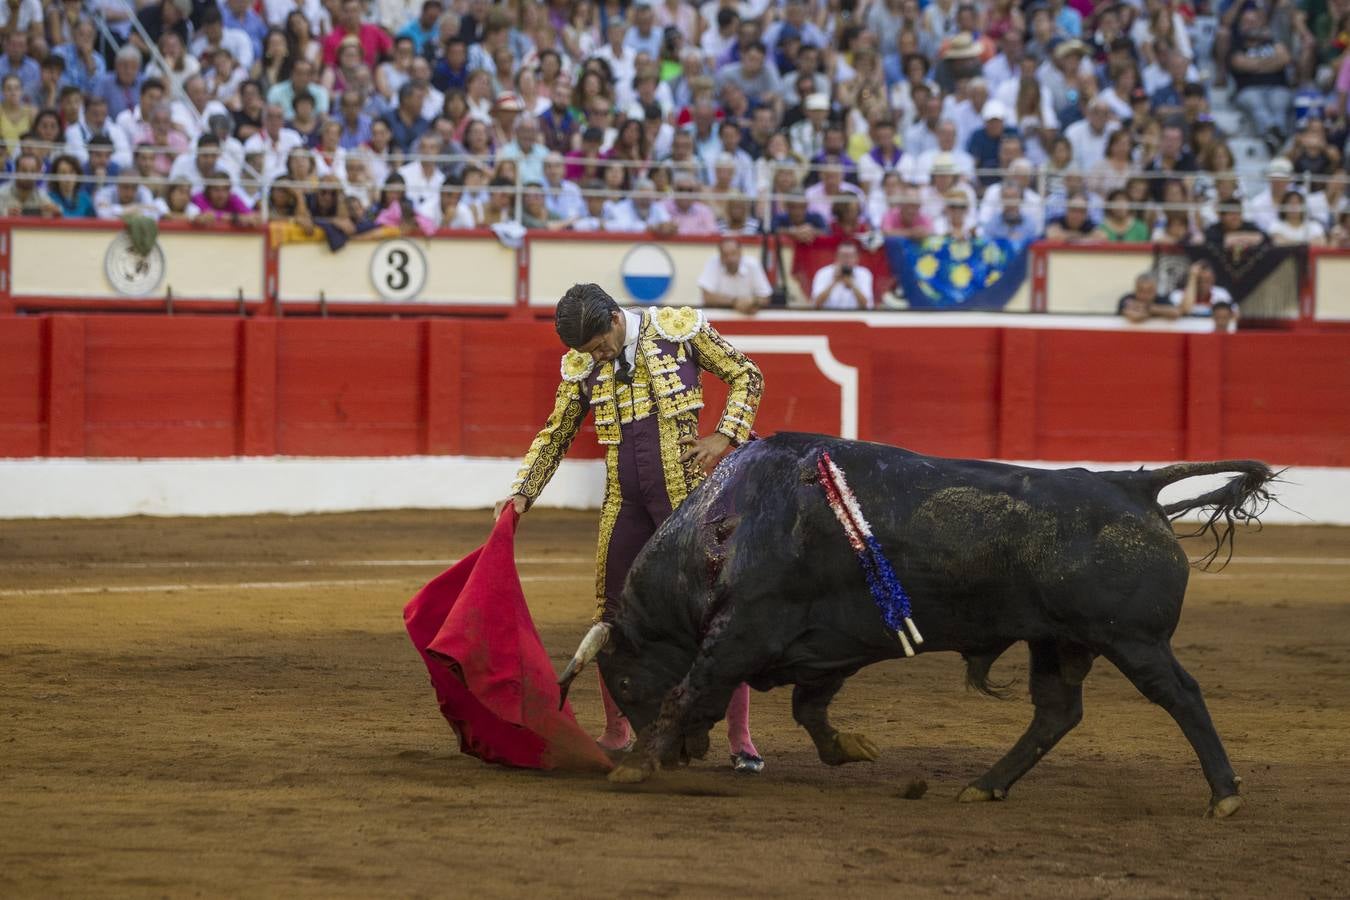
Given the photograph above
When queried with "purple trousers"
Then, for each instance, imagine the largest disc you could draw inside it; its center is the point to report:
(645, 504)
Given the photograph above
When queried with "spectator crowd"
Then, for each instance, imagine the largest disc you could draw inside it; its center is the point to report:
(1062, 119)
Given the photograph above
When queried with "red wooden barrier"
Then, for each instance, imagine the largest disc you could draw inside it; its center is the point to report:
(123, 385)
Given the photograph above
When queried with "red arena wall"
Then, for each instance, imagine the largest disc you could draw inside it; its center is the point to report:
(141, 386)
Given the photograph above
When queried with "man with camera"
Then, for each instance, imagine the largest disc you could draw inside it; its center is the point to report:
(843, 284)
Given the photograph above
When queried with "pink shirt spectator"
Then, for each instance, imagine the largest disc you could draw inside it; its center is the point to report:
(697, 219)
(894, 221)
(176, 142)
(1343, 82)
(233, 207)
(819, 202)
(375, 44)
(393, 217)
(581, 165)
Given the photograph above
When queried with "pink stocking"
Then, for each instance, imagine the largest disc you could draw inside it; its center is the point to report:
(738, 722)
(617, 733)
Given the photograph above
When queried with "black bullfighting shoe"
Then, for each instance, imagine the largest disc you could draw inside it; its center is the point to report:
(747, 763)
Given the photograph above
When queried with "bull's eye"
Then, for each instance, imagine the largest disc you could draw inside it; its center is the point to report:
(624, 685)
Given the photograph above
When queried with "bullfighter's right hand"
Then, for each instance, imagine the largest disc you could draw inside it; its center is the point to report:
(520, 501)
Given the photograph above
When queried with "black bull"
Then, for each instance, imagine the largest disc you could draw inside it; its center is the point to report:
(752, 580)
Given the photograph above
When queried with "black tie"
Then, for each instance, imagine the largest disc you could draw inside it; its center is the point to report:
(623, 373)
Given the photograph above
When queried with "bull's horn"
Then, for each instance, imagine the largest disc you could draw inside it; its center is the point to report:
(587, 650)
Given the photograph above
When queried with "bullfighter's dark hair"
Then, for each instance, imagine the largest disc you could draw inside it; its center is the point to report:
(583, 314)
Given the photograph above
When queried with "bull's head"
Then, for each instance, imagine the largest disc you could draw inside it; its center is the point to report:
(640, 673)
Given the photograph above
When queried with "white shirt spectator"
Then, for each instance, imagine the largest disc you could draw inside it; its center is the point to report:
(130, 121)
(422, 189)
(30, 11)
(820, 203)
(274, 152)
(185, 166)
(1285, 233)
(107, 205)
(434, 103)
(744, 180)
(1320, 209)
(276, 11)
(623, 215)
(77, 142)
(870, 172)
(713, 44)
(840, 296)
(622, 65)
(1156, 77)
(933, 204)
(918, 170)
(1007, 95)
(1141, 32)
(590, 223)
(999, 71)
(461, 218)
(564, 201)
(1262, 210)
(1216, 295)
(235, 40)
(1088, 148)
(530, 166)
(919, 139)
(964, 115)
(1120, 106)
(749, 280)
(1033, 209)
(193, 122)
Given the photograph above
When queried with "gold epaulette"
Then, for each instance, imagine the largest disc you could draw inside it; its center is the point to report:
(676, 323)
(576, 366)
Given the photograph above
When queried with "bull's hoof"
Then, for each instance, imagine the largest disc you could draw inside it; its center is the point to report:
(975, 794)
(849, 748)
(630, 773)
(1224, 807)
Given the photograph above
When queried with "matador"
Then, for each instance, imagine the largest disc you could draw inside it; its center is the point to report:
(640, 372)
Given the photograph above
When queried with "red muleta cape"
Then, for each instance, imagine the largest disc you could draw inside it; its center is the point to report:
(493, 679)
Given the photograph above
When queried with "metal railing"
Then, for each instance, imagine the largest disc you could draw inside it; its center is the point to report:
(764, 203)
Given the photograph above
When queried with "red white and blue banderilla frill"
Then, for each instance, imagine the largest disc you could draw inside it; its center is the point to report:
(885, 587)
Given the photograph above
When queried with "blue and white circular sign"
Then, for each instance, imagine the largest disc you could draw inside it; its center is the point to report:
(648, 273)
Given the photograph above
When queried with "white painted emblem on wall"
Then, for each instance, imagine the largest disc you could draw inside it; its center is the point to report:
(398, 270)
(130, 273)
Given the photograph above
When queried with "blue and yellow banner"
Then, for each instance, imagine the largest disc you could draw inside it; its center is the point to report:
(945, 273)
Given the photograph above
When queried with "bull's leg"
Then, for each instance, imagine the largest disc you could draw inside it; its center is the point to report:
(810, 707)
(1059, 707)
(1156, 673)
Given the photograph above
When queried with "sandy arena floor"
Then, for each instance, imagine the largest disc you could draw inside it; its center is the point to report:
(231, 707)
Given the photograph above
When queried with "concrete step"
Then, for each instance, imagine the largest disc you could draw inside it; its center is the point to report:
(1250, 153)
(1230, 122)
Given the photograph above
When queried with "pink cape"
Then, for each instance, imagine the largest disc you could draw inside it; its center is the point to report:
(493, 679)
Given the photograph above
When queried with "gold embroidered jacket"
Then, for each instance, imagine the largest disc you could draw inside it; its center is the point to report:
(675, 345)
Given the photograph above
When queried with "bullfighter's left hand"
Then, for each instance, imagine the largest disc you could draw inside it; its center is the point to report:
(706, 451)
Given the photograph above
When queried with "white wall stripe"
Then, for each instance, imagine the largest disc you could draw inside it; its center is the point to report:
(243, 586)
(106, 488)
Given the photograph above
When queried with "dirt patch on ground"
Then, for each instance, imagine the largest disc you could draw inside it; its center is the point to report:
(231, 707)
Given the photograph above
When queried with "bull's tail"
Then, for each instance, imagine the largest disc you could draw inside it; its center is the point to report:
(1243, 499)
(977, 673)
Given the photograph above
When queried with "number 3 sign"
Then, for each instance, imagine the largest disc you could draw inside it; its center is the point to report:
(398, 270)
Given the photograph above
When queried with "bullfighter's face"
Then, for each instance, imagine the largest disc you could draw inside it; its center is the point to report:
(606, 347)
